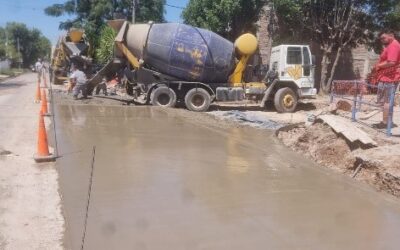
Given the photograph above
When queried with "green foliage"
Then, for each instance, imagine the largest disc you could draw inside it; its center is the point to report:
(91, 15)
(392, 18)
(2, 52)
(150, 11)
(317, 20)
(32, 44)
(104, 52)
(229, 18)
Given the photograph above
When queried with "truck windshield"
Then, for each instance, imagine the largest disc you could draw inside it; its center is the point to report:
(294, 55)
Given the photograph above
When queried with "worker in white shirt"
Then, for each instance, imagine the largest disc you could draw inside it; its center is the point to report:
(39, 68)
(78, 78)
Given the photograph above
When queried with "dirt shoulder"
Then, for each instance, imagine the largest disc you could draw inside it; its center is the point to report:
(378, 166)
(30, 205)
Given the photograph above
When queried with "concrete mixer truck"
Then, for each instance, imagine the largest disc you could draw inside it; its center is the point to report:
(71, 48)
(176, 63)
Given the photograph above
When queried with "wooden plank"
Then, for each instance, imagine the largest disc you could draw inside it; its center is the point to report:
(345, 127)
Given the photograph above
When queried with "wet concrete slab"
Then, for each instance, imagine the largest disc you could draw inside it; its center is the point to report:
(166, 183)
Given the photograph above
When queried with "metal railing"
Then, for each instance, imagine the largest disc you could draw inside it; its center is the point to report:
(361, 94)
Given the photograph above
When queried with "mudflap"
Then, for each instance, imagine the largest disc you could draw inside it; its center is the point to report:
(268, 93)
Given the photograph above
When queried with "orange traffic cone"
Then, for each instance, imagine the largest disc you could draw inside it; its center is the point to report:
(38, 96)
(44, 109)
(43, 154)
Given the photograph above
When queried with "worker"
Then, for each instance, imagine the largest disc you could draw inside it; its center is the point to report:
(388, 72)
(102, 86)
(78, 78)
(271, 75)
(39, 68)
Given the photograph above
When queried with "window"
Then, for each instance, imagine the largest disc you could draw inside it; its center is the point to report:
(275, 66)
(307, 62)
(306, 55)
(294, 55)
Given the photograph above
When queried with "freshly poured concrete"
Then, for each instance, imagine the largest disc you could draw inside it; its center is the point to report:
(164, 183)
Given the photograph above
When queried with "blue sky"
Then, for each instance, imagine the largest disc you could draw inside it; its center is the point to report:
(31, 13)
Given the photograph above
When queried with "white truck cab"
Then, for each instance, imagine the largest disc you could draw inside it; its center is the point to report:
(293, 68)
(294, 65)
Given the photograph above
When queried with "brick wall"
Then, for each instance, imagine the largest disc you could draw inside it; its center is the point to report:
(356, 63)
(363, 60)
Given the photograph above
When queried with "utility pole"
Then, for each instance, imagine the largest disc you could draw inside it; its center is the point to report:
(6, 43)
(19, 53)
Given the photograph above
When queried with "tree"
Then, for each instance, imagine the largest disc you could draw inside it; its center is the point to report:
(229, 18)
(26, 44)
(105, 50)
(392, 19)
(334, 25)
(7, 49)
(91, 15)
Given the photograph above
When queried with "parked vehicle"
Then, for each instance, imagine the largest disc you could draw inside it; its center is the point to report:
(171, 63)
(72, 48)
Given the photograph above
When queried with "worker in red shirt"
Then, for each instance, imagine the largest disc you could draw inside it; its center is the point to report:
(388, 70)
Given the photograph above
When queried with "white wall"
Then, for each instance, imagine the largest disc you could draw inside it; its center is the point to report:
(5, 64)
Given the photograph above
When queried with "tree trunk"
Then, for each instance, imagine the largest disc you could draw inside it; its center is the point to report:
(324, 71)
(334, 66)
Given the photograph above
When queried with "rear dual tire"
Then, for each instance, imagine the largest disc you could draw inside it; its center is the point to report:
(197, 100)
(163, 97)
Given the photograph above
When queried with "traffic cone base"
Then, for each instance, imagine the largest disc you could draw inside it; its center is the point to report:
(41, 159)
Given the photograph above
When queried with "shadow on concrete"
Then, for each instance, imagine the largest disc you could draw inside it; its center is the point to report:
(124, 101)
(269, 107)
(12, 85)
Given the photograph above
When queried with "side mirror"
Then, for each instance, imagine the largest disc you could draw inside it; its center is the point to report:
(313, 60)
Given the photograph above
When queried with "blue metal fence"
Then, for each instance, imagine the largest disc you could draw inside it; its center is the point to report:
(355, 91)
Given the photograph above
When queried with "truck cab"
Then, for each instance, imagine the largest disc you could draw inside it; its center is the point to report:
(293, 68)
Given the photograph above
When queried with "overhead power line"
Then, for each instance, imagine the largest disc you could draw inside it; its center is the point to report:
(174, 6)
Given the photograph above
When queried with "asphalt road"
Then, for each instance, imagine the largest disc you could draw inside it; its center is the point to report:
(162, 182)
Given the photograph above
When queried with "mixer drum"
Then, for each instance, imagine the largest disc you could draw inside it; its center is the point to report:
(189, 53)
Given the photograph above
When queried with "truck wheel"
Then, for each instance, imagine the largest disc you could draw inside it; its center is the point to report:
(285, 100)
(197, 100)
(163, 97)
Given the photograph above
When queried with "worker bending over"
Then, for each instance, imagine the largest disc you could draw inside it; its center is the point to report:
(79, 80)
